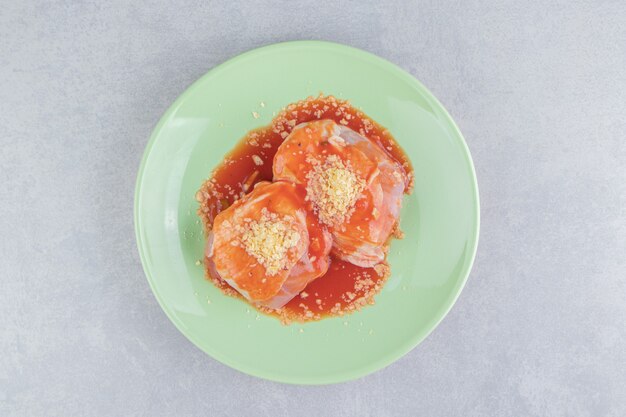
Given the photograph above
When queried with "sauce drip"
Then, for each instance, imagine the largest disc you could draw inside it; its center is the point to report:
(345, 287)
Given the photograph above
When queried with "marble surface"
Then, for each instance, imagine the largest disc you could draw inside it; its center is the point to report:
(539, 91)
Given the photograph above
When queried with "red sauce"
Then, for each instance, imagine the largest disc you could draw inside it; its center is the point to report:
(336, 289)
(345, 287)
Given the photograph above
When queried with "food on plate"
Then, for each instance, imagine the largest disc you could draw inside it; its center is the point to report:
(299, 216)
(351, 183)
(267, 245)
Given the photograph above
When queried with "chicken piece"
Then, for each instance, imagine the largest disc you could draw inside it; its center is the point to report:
(267, 245)
(353, 186)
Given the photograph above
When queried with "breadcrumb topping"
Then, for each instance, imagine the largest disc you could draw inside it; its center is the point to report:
(257, 160)
(269, 239)
(333, 187)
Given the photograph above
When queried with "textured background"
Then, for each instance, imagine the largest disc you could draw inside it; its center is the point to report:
(539, 92)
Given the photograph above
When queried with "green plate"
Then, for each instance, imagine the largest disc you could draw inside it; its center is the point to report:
(429, 266)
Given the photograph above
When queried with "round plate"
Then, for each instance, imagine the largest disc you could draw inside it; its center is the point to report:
(429, 266)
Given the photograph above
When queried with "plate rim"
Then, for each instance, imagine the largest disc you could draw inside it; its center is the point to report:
(413, 341)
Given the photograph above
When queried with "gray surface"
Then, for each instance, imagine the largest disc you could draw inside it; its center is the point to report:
(539, 92)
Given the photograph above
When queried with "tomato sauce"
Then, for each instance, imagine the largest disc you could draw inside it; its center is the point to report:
(345, 287)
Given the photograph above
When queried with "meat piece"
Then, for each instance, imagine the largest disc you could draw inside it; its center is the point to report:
(353, 186)
(267, 245)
